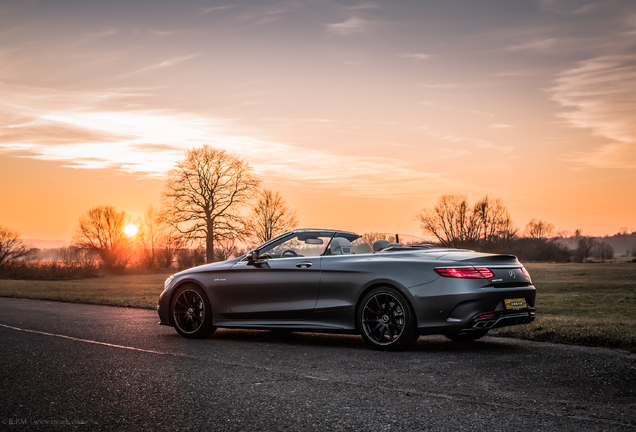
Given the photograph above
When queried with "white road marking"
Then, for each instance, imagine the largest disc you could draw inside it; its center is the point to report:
(92, 341)
(336, 381)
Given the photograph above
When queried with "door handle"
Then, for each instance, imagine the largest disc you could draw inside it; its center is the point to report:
(306, 264)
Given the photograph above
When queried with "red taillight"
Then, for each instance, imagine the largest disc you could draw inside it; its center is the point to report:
(525, 272)
(488, 274)
(466, 272)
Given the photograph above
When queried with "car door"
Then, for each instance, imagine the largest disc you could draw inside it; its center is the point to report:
(283, 284)
(277, 289)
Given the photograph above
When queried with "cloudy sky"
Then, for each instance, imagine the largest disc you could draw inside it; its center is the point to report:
(359, 113)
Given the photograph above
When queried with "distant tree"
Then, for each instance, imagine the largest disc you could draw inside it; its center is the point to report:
(72, 255)
(539, 230)
(372, 236)
(158, 240)
(450, 221)
(224, 249)
(585, 245)
(170, 244)
(205, 193)
(604, 250)
(12, 249)
(150, 236)
(494, 221)
(270, 217)
(101, 231)
(185, 258)
(454, 223)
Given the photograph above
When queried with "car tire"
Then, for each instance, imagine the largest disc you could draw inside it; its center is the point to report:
(386, 320)
(467, 336)
(192, 313)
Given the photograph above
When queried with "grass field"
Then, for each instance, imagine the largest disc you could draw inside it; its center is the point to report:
(141, 291)
(591, 304)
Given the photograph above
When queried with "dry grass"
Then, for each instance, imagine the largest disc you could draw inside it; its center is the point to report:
(591, 304)
(141, 291)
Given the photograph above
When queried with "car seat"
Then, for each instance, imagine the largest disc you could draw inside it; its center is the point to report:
(340, 246)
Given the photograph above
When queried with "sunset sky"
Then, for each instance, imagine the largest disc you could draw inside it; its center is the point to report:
(359, 113)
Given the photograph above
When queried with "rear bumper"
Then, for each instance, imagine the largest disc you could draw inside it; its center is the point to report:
(502, 320)
(481, 309)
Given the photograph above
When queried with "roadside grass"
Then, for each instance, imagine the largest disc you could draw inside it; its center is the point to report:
(590, 304)
(140, 291)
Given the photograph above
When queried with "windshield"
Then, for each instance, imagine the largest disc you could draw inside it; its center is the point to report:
(312, 243)
(302, 244)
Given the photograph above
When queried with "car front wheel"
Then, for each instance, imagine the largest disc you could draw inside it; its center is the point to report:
(386, 321)
(191, 313)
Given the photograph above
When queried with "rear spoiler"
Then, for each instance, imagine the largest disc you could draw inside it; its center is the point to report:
(481, 259)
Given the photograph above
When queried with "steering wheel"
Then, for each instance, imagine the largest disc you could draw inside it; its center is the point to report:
(290, 253)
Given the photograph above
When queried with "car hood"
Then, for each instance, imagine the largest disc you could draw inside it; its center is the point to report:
(221, 265)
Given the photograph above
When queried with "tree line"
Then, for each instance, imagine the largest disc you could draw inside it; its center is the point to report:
(212, 207)
(487, 226)
(211, 204)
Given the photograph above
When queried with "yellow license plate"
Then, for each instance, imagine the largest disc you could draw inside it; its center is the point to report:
(519, 303)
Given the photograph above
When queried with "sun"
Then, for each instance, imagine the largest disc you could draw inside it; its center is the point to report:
(131, 230)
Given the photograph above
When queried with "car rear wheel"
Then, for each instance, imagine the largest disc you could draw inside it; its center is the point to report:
(386, 320)
(467, 336)
(191, 313)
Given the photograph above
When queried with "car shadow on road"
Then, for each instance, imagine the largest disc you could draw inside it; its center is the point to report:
(428, 344)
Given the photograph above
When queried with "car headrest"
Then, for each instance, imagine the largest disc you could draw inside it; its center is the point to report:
(340, 246)
(378, 245)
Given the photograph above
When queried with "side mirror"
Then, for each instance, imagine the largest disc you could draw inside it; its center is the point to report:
(252, 256)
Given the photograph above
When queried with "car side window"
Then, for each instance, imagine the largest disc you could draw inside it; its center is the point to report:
(300, 245)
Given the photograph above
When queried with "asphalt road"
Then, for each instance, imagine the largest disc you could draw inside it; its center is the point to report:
(82, 367)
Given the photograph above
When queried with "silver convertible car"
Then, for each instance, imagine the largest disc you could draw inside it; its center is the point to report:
(329, 281)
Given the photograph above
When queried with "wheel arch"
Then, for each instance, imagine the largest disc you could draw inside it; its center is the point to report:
(178, 286)
(377, 284)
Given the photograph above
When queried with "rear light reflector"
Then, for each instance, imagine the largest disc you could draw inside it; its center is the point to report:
(485, 316)
(466, 272)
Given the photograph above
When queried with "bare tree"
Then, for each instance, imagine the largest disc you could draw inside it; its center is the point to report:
(454, 223)
(494, 222)
(451, 221)
(371, 236)
(604, 250)
(150, 237)
(205, 193)
(585, 245)
(539, 230)
(224, 249)
(171, 243)
(12, 249)
(101, 230)
(73, 255)
(158, 240)
(270, 217)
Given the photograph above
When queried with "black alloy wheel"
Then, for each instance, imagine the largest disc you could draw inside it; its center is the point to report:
(191, 313)
(386, 321)
(467, 336)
